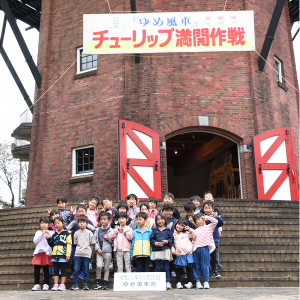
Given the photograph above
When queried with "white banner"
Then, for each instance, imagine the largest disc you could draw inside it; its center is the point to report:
(168, 32)
(146, 281)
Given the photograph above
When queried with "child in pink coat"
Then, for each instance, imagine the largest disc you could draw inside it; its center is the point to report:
(183, 250)
(122, 237)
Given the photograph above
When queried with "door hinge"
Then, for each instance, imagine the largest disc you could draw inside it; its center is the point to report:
(127, 164)
(123, 126)
(156, 165)
(259, 170)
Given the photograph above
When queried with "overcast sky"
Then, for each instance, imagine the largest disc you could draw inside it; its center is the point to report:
(12, 102)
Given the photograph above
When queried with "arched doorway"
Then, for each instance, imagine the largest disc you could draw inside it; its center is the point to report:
(200, 161)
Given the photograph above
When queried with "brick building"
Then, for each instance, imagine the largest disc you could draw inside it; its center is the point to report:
(196, 102)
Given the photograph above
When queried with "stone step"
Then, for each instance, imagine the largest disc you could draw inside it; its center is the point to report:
(258, 262)
(262, 254)
(19, 224)
(237, 238)
(257, 246)
(256, 230)
(16, 258)
(17, 249)
(23, 218)
(27, 234)
(14, 244)
(259, 272)
(251, 217)
(214, 283)
(285, 225)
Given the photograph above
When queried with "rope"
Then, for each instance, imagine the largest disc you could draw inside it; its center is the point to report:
(54, 82)
(277, 72)
(108, 5)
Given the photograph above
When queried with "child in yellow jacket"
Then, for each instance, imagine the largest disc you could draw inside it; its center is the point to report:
(61, 244)
(140, 246)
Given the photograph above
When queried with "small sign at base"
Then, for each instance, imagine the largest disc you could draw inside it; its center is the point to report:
(143, 281)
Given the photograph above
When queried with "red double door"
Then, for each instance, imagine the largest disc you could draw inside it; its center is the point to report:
(275, 165)
(139, 161)
(140, 173)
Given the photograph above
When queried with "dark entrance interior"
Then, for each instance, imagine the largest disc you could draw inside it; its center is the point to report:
(201, 161)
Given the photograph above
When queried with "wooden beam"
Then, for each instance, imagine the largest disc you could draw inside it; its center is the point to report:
(16, 79)
(202, 155)
(270, 33)
(18, 35)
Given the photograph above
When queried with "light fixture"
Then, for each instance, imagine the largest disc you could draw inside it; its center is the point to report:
(175, 152)
(86, 154)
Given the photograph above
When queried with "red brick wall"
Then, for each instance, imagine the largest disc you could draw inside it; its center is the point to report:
(159, 92)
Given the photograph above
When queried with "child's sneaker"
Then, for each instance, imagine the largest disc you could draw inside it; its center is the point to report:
(97, 286)
(61, 287)
(184, 275)
(173, 274)
(219, 266)
(179, 285)
(199, 285)
(105, 285)
(81, 275)
(216, 274)
(55, 287)
(37, 287)
(111, 265)
(168, 286)
(206, 285)
(90, 265)
(72, 276)
(188, 285)
(45, 287)
(74, 288)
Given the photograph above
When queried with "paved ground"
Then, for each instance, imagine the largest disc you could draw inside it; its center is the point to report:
(212, 294)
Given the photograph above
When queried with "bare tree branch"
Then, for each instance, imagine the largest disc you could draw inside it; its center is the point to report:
(9, 168)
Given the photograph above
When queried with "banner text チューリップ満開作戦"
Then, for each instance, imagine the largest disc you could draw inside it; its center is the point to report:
(168, 32)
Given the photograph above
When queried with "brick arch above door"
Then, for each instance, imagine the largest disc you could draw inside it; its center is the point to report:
(229, 129)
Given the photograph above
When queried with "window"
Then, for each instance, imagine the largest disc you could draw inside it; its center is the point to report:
(83, 161)
(85, 63)
(278, 67)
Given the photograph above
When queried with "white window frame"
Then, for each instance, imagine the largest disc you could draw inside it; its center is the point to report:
(78, 63)
(279, 74)
(74, 162)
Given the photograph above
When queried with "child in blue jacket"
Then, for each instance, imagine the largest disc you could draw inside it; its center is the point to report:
(208, 208)
(140, 245)
(161, 240)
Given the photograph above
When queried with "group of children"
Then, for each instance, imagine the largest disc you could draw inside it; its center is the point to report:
(135, 237)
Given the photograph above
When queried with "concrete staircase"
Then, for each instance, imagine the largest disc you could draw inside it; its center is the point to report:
(259, 245)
